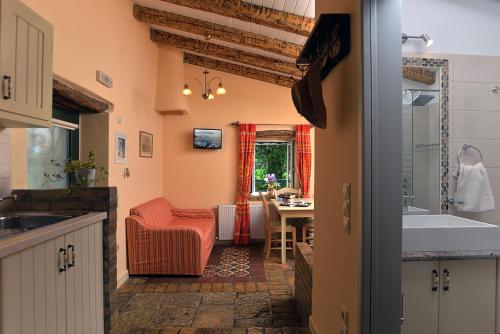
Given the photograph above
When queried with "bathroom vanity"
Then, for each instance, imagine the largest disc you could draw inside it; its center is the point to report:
(450, 276)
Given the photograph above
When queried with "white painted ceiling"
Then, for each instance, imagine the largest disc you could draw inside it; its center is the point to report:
(298, 7)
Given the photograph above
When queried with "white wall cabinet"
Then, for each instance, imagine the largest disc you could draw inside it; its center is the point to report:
(55, 287)
(449, 297)
(25, 67)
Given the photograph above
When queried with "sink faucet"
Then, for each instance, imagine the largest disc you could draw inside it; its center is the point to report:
(11, 197)
(406, 200)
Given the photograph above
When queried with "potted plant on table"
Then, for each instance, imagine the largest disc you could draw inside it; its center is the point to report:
(82, 174)
(272, 184)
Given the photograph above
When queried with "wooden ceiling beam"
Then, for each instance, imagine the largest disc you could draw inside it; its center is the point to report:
(248, 12)
(216, 31)
(224, 52)
(239, 70)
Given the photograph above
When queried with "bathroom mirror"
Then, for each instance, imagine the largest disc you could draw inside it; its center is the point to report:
(425, 136)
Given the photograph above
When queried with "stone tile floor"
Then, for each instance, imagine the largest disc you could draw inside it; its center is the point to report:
(212, 308)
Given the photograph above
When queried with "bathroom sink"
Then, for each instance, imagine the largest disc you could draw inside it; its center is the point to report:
(448, 233)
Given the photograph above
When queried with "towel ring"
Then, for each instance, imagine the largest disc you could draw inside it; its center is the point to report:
(464, 148)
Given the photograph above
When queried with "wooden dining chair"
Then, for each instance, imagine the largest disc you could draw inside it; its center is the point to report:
(308, 231)
(273, 230)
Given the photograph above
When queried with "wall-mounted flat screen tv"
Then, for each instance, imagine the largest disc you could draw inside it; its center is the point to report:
(210, 139)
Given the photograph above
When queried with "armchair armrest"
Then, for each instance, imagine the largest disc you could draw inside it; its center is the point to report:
(193, 213)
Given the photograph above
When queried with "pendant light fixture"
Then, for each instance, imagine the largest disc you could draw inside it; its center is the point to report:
(206, 88)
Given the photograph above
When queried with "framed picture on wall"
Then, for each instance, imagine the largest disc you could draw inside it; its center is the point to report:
(145, 144)
(121, 144)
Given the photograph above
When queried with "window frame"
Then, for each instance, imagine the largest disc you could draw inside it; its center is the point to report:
(291, 160)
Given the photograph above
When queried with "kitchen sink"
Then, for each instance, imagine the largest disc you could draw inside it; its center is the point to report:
(26, 221)
(448, 233)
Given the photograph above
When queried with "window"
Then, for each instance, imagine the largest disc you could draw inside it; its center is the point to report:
(60, 142)
(273, 157)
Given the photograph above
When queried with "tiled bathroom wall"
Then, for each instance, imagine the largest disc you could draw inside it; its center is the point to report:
(4, 162)
(475, 119)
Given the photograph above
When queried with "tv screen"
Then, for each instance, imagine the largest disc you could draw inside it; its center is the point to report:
(207, 138)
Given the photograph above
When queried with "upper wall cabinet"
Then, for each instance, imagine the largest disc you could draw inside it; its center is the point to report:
(25, 67)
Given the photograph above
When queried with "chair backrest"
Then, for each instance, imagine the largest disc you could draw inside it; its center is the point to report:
(287, 190)
(265, 206)
(156, 212)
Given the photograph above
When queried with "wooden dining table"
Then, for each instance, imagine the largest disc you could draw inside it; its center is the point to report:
(286, 212)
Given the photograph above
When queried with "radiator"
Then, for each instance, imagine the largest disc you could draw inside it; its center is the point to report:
(227, 216)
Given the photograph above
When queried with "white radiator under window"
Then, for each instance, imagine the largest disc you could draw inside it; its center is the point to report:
(227, 216)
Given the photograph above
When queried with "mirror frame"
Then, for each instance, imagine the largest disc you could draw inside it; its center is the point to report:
(443, 66)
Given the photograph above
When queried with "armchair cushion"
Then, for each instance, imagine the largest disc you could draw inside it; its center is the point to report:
(156, 212)
(193, 213)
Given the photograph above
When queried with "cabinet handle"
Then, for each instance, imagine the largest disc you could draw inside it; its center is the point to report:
(7, 87)
(62, 267)
(73, 255)
(447, 280)
(435, 280)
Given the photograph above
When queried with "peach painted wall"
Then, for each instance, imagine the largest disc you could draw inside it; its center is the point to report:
(92, 35)
(337, 254)
(205, 178)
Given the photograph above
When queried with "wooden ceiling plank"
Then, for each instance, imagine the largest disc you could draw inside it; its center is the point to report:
(223, 33)
(239, 70)
(249, 12)
(224, 52)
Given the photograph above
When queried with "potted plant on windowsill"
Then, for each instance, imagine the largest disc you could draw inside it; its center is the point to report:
(272, 185)
(82, 174)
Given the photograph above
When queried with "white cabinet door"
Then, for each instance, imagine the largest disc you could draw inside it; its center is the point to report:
(421, 297)
(40, 296)
(467, 299)
(25, 66)
(84, 281)
(33, 290)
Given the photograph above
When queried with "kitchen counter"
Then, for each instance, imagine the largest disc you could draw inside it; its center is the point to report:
(20, 241)
(450, 255)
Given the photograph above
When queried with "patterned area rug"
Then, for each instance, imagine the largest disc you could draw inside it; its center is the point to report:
(227, 264)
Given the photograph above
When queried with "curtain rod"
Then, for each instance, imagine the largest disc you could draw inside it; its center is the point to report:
(264, 124)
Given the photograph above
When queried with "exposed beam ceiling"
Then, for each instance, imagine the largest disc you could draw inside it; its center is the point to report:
(219, 32)
(248, 12)
(239, 70)
(224, 52)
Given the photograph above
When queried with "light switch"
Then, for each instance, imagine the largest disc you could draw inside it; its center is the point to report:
(344, 320)
(346, 207)
(346, 191)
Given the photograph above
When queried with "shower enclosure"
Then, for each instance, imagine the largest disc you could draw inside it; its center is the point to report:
(421, 150)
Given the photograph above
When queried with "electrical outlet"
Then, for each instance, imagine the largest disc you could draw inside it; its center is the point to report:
(346, 207)
(344, 320)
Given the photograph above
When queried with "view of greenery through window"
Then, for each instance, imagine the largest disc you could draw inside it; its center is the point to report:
(271, 158)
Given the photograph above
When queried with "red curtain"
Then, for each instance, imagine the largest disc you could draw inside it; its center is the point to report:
(245, 167)
(304, 157)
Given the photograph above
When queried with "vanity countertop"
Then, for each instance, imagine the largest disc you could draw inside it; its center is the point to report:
(20, 241)
(450, 255)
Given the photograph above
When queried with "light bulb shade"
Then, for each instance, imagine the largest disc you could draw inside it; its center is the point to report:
(210, 96)
(187, 91)
(220, 90)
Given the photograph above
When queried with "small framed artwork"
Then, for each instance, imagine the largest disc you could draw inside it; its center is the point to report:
(145, 144)
(121, 144)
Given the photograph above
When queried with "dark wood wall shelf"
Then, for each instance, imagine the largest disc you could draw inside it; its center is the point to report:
(329, 42)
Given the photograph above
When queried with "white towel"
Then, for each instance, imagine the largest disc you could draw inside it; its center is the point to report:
(473, 190)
